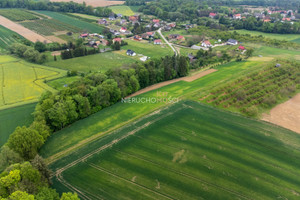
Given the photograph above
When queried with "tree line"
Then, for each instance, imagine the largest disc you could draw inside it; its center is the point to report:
(53, 112)
(71, 7)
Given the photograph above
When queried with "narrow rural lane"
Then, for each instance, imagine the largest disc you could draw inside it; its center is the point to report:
(168, 43)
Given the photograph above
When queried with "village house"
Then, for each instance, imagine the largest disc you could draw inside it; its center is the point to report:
(103, 21)
(112, 17)
(119, 15)
(133, 18)
(206, 44)
(156, 25)
(117, 40)
(84, 35)
(237, 16)
(123, 22)
(123, 29)
(130, 53)
(137, 37)
(192, 58)
(150, 34)
(104, 42)
(155, 21)
(158, 41)
(232, 42)
(212, 15)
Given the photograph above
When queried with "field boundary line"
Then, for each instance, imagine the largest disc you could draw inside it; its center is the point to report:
(128, 181)
(2, 85)
(60, 154)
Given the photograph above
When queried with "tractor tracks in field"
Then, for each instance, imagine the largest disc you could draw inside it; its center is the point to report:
(58, 173)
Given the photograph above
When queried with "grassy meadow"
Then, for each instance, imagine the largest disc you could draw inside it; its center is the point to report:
(13, 117)
(287, 37)
(189, 151)
(148, 49)
(18, 14)
(60, 83)
(95, 63)
(124, 10)
(22, 82)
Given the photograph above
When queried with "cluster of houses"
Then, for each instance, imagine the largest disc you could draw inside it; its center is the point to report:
(94, 39)
(176, 37)
(265, 16)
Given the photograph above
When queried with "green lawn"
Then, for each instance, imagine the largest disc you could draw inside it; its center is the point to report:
(61, 82)
(287, 37)
(124, 10)
(148, 49)
(85, 26)
(13, 117)
(95, 63)
(86, 16)
(189, 151)
(275, 52)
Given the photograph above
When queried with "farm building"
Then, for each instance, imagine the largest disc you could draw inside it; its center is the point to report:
(195, 47)
(206, 44)
(192, 58)
(103, 22)
(157, 41)
(130, 53)
(232, 42)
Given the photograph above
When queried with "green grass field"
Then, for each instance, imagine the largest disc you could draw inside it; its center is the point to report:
(85, 16)
(124, 10)
(85, 26)
(22, 82)
(287, 37)
(13, 117)
(147, 49)
(95, 63)
(188, 151)
(7, 37)
(18, 14)
(120, 113)
(61, 82)
(49, 26)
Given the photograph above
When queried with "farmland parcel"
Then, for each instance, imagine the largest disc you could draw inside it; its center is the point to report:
(187, 151)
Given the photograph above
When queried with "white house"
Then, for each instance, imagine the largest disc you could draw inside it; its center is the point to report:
(206, 44)
(232, 42)
(157, 41)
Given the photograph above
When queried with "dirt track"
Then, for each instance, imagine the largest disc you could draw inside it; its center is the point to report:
(286, 114)
(26, 33)
(95, 3)
(162, 84)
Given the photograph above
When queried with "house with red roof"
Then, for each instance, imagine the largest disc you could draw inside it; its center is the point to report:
(150, 34)
(237, 16)
(133, 18)
(286, 19)
(242, 48)
(212, 15)
(84, 35)
(155, 21)
(158, 41)
(123, 29)
(117, 40)
(206, 44)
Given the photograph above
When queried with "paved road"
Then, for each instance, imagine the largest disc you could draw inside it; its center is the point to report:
(168, 43)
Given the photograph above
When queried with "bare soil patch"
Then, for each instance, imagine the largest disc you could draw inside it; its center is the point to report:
(26, 33)
(286, 114)
(95, 3)
(162, 84)
(55, 53)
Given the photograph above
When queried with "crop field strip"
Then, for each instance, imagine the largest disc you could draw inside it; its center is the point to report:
(49, 26)
(18, 15)
(8, 37)
(247, 158)
(72, 21)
